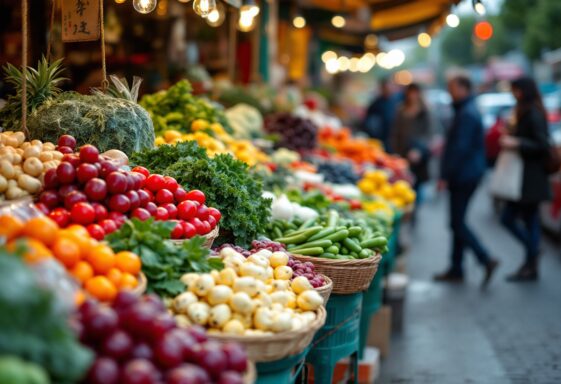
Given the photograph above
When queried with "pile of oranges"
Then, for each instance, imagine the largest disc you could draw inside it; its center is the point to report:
(100, 271)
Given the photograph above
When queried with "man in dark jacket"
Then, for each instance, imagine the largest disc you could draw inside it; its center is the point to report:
(381, 113)
(463, 166)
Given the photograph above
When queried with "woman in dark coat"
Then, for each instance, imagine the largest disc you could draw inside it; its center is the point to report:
(531, 139)
(411, 133)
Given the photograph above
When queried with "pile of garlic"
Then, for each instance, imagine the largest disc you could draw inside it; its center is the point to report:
(23, 164)
(252, 296)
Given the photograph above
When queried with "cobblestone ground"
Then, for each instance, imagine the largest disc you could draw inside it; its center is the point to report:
(457, 334)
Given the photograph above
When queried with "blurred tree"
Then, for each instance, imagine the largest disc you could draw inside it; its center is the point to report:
(458, 46)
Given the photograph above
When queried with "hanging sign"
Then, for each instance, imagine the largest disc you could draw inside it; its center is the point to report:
(80, 20)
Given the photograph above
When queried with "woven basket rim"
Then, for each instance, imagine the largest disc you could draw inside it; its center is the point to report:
(288, 335)
(342, 262)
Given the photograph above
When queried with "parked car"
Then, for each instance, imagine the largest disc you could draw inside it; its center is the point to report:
(493, 105)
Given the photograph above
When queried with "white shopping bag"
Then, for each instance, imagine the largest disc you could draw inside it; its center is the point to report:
(506, 181)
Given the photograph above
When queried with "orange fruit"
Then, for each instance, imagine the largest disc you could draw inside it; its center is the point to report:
(101, 288)
(79, 298)
(10, 227)
(34, 250)
(82, 271)
(128, 262)
(128, 281)
(83, 242)
(114, 275)
(101, 257)
(79, 230)
(41, 228)
(66, 251)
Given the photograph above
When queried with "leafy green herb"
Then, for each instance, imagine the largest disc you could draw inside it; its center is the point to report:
(163, 262)
(34, 327)
(227, 183)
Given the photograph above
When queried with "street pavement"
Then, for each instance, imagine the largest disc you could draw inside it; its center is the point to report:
(458, 334)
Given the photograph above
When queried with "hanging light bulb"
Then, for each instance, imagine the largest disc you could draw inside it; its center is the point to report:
(246, 22)
(120, 1)
(424, 39)
(204, 7)
(217, 16)
(299, 22)
(184, 1)
(338, 21)
(144, 6)
(479, 7)
(250, 7)
(452, 20)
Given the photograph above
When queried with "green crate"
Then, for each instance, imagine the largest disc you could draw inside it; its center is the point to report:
(338, 338)
(283, 371)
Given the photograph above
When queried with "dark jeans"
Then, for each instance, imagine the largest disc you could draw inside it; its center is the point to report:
(522, 220)
(463, 237)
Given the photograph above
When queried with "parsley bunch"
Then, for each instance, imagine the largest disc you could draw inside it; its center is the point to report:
(227, 183)
(163, 262)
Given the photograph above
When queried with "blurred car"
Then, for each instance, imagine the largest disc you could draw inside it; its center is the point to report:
(493, 105)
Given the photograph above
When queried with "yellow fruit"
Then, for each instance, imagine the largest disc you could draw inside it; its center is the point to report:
(159, 141)
(199, 125)
(366, 186)
(171, 135)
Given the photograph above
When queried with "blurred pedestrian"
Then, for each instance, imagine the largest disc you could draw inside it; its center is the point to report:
(381, 113)
(462, 167)
(531, 140)
(411, 134)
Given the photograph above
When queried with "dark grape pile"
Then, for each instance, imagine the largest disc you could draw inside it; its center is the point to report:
(272, 246)
(236, 248)
(338, 172)
(307, 270)
(136, 341)
(296, 133)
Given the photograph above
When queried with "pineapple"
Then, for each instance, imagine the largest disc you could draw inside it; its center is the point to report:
(42, 84)
(121, 90)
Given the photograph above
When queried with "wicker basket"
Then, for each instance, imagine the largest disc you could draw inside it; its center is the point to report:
(325, 290)
(209, 238)
(348, 276)
(278, 346)
(142, 283)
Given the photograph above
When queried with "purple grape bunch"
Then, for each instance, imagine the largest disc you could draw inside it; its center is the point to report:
(236, 248)
(273, 246)
(136, 341)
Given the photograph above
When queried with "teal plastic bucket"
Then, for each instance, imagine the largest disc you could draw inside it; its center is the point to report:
(283, 371)
(338, 338)
(371, 303)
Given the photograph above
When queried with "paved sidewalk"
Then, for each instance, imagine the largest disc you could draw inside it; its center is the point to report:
(457, 334)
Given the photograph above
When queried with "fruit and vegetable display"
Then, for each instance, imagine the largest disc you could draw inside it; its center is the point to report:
(361, 150)
(23, 164)
(101, 120)
(136, 341)
(246, 121)
(295, 133)
(163, 261)
(250, 296)
(299, 268)
(216, 141)
(376, 183)
(177, 108)
(330, 236)
(95, 266)
(35, 330)
(91, 189)
(338, 172)
(228, 184)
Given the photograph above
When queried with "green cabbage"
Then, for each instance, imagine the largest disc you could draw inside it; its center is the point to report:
(104, 121)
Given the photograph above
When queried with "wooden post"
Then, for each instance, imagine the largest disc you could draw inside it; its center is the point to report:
(232, 43)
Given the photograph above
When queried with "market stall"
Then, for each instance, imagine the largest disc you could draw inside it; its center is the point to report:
(170, 239)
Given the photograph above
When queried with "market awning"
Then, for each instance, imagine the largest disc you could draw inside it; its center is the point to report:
(395, 19)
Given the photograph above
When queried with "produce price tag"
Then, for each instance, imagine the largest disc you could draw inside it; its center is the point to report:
(80, 20)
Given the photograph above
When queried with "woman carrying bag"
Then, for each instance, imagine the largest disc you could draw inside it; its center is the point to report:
(530, 140)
